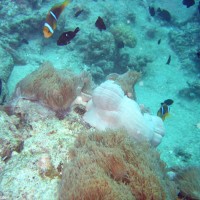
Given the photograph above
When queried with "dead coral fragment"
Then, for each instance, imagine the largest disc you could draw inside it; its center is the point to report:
(55, 89)
(109, 166)
(188, 181)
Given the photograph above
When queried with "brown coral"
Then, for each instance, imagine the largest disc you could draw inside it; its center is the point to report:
(109, 166)
(188, 181)
(126, 81)
(55, 89)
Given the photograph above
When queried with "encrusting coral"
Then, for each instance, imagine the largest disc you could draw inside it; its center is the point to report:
(55, 89)
(108, 166)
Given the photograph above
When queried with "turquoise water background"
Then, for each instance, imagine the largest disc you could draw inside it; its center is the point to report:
(179, 38)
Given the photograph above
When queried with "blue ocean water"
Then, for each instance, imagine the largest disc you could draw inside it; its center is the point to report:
(162, 44)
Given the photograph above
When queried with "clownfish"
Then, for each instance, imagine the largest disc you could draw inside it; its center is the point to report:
(52, 17)
(163, 111)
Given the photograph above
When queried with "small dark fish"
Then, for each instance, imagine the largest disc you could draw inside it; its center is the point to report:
(164, 14)
(198, 54)
(78, 12)
(66, 37)
(25, 41)
(169, 102)
(188, 3)
(100, 24)
(152, 11)
(159, 41)
(168, 60)
(199, 7)
(163, 111)
(0, 86)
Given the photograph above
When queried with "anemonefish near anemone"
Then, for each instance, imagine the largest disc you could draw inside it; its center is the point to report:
(52, 17)
(163, 111)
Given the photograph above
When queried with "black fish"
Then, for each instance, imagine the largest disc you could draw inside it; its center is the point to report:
(169, 60)
(159, 41)
(100, 24)
(188, 3)
(198, 54)
(78, 12)
(164, 14)
(66, 37)
(25, 41)
(169, 102)
(152, 11)
(0, 86)
(199, 7)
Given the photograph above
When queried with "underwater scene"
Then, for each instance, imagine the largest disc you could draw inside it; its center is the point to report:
(99, 100)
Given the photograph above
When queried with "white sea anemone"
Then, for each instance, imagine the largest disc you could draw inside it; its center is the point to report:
(109, 108)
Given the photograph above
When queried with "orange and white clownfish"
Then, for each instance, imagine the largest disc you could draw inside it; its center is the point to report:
(52, 17)
(163, 111)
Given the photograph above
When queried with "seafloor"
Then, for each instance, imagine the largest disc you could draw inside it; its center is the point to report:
(34, 142)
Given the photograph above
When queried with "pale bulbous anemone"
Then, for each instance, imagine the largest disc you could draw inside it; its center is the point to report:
(109, 108)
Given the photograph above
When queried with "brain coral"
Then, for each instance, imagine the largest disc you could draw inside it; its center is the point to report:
(124, 33)
(108, 166)
(55, 89)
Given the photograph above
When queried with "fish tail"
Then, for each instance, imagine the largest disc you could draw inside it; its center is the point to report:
(77, 30)
(66, 2)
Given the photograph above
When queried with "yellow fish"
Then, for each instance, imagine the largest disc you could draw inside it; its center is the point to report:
(52, 17)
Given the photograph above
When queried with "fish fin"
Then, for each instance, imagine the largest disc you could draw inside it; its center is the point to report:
(77, 30)
(54, 26)
(165, 116)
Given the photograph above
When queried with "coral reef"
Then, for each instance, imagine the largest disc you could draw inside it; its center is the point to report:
(124, 34)
(126, 81)
(192, 91)
(6, 64)
(55, 89)
(99, 52)
(139, 62)
(108, 166)
(188, 181)
(109, 108)
(180, 41)
(10, 139)
(33, 146)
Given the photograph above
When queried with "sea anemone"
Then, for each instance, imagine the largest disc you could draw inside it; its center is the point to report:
(109, 108)
(108, 165)
(188, 181)
(53, 88)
